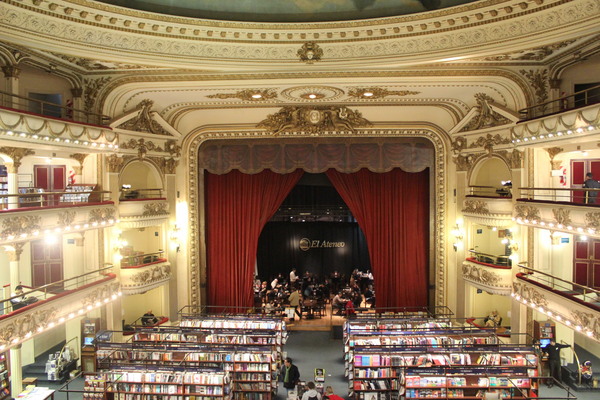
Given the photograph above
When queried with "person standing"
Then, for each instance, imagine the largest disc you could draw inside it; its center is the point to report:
(294, 299)
(311, 393)
(553, 349)
(591, 183)
(293, 277)
(290, 374)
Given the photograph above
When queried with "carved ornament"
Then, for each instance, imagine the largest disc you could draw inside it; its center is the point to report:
(480, 275)
(476, 207)
(378, 93)
(17, 154)
(527, 212)
(588, 321)
(247, 95)
(97, 65)
(553, 151)
(142, 146)
(144, 122)
(562, 216)
(167, 166)
(99, 294)
(488, 142)
(16, 226)
(314, 120)
(539, 82)
(14, 251)
(91, 90)
(310, 52)
(66, 218)
(155, 209)
(486, 117)
(11, 71)
(79, 157)
(464, 163)
(157, 273)
(173, 148)
(114, 163)
(101, 214)
(26, 324)
(534, 296)
(459, 144)
(592, 220)
(513, 158)
(536, 54)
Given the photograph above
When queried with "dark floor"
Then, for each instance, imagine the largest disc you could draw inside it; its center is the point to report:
(310, 350)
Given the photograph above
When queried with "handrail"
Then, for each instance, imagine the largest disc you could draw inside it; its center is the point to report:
(65, 345)
(50, 199)
(583, 290)
(572, 195)
(133, 194)
(501, 260)
(66, 112)
(45, 288)
(564, 103)
(141, 259)
(578, 362)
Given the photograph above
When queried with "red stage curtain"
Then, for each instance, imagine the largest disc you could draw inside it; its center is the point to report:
(237, 208)
(392, 209)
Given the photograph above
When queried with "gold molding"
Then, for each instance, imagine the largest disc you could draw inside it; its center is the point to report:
(101, 214)
(562, 216)
(378, 92)
(24, 224)
(247, 95)
(155, 209)
(310, 52)
(16, 154)
(527, 212)
(476, 207)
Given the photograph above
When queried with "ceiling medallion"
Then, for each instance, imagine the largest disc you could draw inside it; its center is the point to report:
(247, 95)
(378, 93)
(303, 93)
(310, 52)
(313, 120)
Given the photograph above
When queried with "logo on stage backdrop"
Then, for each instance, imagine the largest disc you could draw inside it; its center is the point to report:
(307, 244)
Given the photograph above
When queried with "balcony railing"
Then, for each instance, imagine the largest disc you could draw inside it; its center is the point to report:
(490, 191)
(140, 194)
(139, 260)
(561, 286)
(563, 195)
(10, 304)
(39, 198)
(502, 261)
(52, 110)
(576, 100)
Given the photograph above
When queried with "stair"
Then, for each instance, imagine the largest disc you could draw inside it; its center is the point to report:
(38, 368)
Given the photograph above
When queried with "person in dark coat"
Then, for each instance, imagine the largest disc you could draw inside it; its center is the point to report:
(591, 183)
(553, 350)
(289, 374)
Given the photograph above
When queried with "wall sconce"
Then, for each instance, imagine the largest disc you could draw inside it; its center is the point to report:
(174, 237)
(458, 237)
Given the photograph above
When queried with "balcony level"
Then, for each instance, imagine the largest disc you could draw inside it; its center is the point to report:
(143, 272)
(49, 306)
(140, 208)
(489, 206)
(568, 303)
(489, 273)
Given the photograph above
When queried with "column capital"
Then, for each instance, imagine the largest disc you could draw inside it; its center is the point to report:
(16, 153)
(77, 92)
(14, 251)
(11, 71)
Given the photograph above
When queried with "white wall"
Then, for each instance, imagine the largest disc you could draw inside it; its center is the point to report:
(483, 303)
(144, 240)
(136, 305)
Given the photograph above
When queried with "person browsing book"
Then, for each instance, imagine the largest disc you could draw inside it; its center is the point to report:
(311, 393)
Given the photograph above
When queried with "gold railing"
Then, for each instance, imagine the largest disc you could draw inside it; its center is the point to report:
(565, 103)
(569, 195)
(490, 191)
(141, 259)
(39, 198)
(501, 261)
(45, 108)
(135, 194)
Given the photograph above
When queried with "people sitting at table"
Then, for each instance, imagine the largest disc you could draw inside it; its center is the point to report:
(338, 303)
(149, 319)
(370, 296)
(19, 300)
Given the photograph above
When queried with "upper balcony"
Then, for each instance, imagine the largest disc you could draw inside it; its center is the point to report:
(487, 272)
(140, 208)
(569, 303)
(48, 306)
(489, 205)
(558, 209)
(143, 272)
(48, 213)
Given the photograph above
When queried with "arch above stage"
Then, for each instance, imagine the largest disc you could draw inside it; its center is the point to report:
(423, 140)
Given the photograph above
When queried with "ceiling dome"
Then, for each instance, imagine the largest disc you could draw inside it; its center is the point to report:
(288, 10)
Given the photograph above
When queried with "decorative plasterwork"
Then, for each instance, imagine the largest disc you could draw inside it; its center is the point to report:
(16, 154)
(539, 81)
(26, 324)
(140, 280)
(155, 209)
(459, 143)
(527, 212)
(79, 157)
(592, 220)
(66, 218)
(167, 166)
(562, 216)
(97, 65)
(378, 93)
(588, 321)
(88, 26)
(513, 158)
(531, 293)
(486, 117)
(310, 52)
(142, 146)
(494, 281)
(101, 214)
(310, 93)
(100, 294)
(91, 90)
(536, 54)
(247, 95)
(314, 120)
(144, 120)
(476, 207)
(489, 141)
(196, 256)
(464, 163)
(20, 225)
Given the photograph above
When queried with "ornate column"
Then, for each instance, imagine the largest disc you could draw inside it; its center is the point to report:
(17, 154)
(16, 371)
(14, 255)
(14, 252)
(11, 73)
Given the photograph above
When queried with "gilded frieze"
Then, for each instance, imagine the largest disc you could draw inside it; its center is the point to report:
(142, 146)
(534, 296)
(562, 216)
(101, 214)
(592, 220)
(151, 275)
(588, 321)
(155, 209)
(26, 324)
(66, 218)
(480, 275)
(313, 120)
(247, 95)
(535, 54)
(538, 79)
(17, 154)
(378, 93)
(310, 52)
(144, 122)
(17, 226)
(476, 207)
(486, 117)
(99, 294)
(527, 212)
(464, 163)
(489, 141)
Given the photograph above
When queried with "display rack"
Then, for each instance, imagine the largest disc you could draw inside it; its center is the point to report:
(81, 193)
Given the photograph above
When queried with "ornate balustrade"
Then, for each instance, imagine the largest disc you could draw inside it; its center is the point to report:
(489, 211)
(492, 278)
(145, 276)
(141, 212)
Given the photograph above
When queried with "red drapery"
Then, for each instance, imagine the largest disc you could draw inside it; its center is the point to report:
(237, 208)
(392, 209)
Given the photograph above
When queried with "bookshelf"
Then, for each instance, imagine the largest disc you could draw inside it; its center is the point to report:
(160, 383)
(4, 186)
(4, 380)
(80, 193)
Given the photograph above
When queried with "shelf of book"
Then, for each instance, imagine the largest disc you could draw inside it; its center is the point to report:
(4, 380)
(163, 382)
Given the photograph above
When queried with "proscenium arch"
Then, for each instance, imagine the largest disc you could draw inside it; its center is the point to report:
(195, 200)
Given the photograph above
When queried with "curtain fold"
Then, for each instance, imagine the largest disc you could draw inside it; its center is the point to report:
(237, 208)
(392, 209)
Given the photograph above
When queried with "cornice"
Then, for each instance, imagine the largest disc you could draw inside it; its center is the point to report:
(95, 30)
